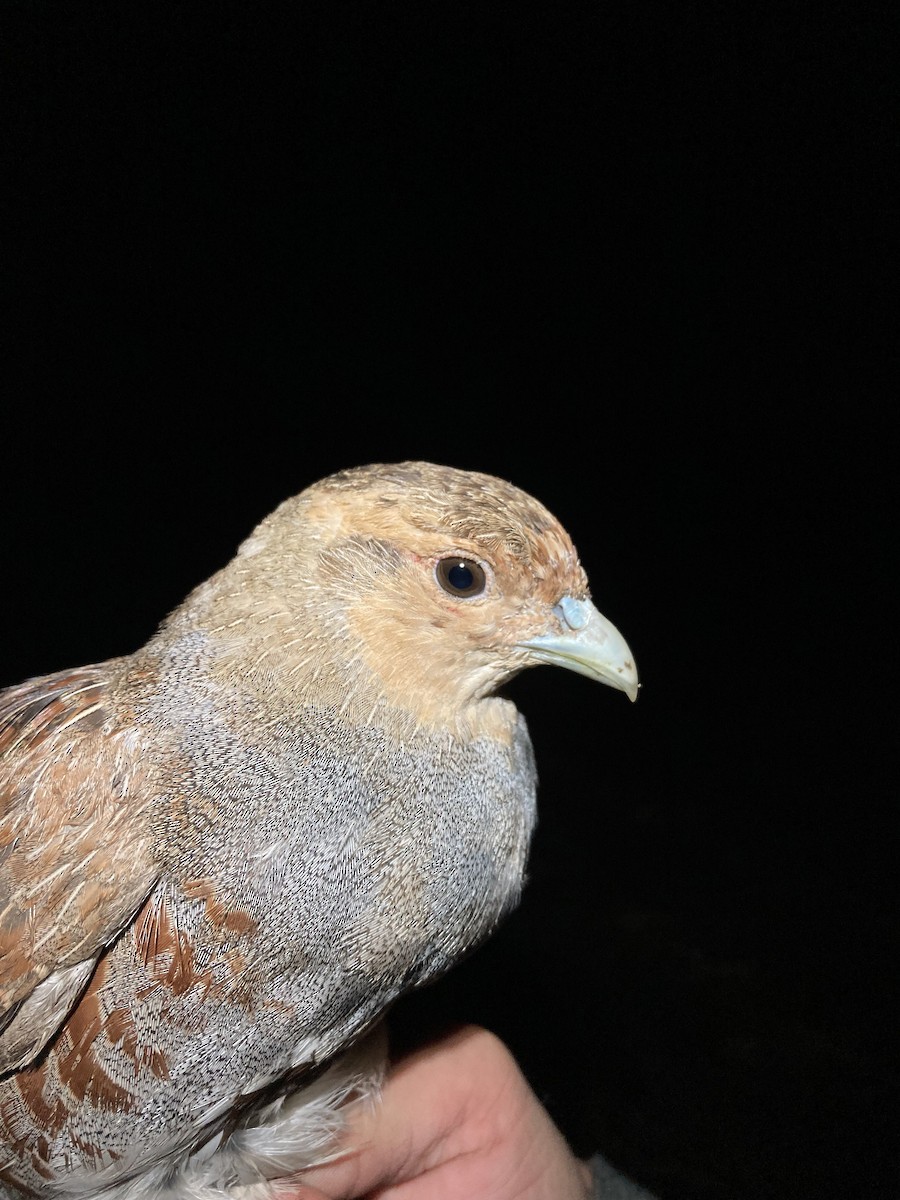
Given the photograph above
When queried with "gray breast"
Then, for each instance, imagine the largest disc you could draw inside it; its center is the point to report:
(382, 860)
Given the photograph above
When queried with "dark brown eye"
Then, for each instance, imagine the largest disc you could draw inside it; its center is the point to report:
(461, 577)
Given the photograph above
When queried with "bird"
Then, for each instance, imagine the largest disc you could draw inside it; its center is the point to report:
(224, 856)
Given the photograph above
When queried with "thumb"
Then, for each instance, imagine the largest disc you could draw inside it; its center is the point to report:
(406, 1131)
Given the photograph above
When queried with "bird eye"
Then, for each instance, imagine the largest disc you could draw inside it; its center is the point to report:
(461, 576)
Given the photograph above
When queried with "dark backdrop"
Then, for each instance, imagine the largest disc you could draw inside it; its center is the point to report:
(632, 257)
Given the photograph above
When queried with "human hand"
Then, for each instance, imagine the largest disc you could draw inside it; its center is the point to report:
(457, 1120)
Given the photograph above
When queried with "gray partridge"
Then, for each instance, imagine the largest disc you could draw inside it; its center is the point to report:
(224, 856)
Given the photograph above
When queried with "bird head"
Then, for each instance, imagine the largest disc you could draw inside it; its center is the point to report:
(431, 585)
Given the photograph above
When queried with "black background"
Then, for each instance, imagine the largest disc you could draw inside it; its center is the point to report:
(633, 257)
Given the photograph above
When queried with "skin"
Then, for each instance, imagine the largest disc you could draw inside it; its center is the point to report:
(456, 1120)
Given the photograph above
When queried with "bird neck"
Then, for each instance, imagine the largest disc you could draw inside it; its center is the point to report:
(282, 662)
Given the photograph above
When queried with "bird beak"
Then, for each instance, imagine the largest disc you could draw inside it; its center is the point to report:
(589, 644)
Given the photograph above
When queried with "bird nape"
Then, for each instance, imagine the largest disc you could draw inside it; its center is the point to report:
(224, 856)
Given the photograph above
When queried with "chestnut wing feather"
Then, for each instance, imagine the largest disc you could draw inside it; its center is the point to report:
(76, 858)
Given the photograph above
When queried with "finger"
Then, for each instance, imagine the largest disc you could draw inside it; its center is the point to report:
(423, 1117)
